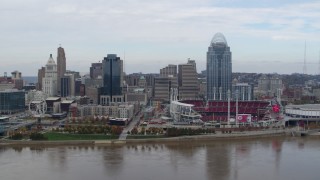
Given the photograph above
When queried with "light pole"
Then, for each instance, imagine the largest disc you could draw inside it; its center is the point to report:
(237, 96)
(279, 91)
(228, 107)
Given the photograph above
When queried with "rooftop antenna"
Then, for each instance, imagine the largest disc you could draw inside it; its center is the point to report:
(305, 61)
(319, 63)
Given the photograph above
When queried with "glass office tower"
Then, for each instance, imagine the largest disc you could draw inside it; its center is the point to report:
(219, 68)
(112, 75)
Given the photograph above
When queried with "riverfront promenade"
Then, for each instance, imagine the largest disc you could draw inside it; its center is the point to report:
(217, 136)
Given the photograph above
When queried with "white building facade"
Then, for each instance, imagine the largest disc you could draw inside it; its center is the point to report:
(49, 82)
(115, 111)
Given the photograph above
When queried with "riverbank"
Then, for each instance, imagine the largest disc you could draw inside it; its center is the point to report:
(217, 136)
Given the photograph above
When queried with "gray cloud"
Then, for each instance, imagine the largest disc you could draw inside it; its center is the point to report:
(89, 29)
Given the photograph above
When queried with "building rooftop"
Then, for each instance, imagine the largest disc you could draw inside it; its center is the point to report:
(52, 98)
(142, 78)
(138, 90)
(67, 101)
(51, 61)
(11, 90)
(304, 107)
(219, 38)
(36, 102)
(4, 118)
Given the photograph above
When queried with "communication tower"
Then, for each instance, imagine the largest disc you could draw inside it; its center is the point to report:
(305, 61)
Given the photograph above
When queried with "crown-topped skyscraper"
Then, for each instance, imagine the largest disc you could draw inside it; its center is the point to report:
(219, 68)
(49, 82)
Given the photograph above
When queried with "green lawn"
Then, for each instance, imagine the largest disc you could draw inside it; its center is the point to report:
(52, 136)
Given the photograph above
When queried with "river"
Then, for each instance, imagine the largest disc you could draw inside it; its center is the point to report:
(282, 158)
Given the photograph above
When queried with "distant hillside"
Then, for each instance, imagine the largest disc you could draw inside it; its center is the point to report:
(30, 79)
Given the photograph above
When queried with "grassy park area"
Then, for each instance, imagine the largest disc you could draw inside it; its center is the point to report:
(54, 136)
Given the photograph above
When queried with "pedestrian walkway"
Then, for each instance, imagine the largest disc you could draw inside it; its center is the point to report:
(129, 127)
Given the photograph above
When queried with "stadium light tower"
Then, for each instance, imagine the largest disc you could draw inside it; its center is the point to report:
(228, 94)
(237, 97)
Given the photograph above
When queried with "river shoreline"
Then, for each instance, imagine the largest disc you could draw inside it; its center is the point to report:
(214, 137)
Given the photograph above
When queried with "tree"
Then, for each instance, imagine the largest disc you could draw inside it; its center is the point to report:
(96, 119)
(16, 136)
(142, 130)
(37, 136)
(91, 119)
(116, 130)
(107, 129)
(134, 131)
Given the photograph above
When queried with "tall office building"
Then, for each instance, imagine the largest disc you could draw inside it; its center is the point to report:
(163, 86)
(169, 71)
(12, 101)
(276, 85)
(112, 71)
(270, 85)
(193, 63)
(6, 82)
(41, 74)
(77, 85)
(188, 80)
(91, 89)
(18, 81)
(95, 70)
(219, 68)
(67, 85)
(133, 79)
(49, 82)
(61, 67)
(242, 91)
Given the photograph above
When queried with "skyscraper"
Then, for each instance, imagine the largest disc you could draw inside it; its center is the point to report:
(95, 70)
(67, 85)
(162, 85)
(61, 67)
(112, 75)
(219, 68)
(270, 85)
(41, 75)
(170, 70)
(188, 81)
(49, 82)
(17, 79)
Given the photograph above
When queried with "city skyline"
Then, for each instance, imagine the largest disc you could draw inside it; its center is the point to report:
(265, 36)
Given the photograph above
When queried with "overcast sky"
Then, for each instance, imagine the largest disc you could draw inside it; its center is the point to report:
(265, 36)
